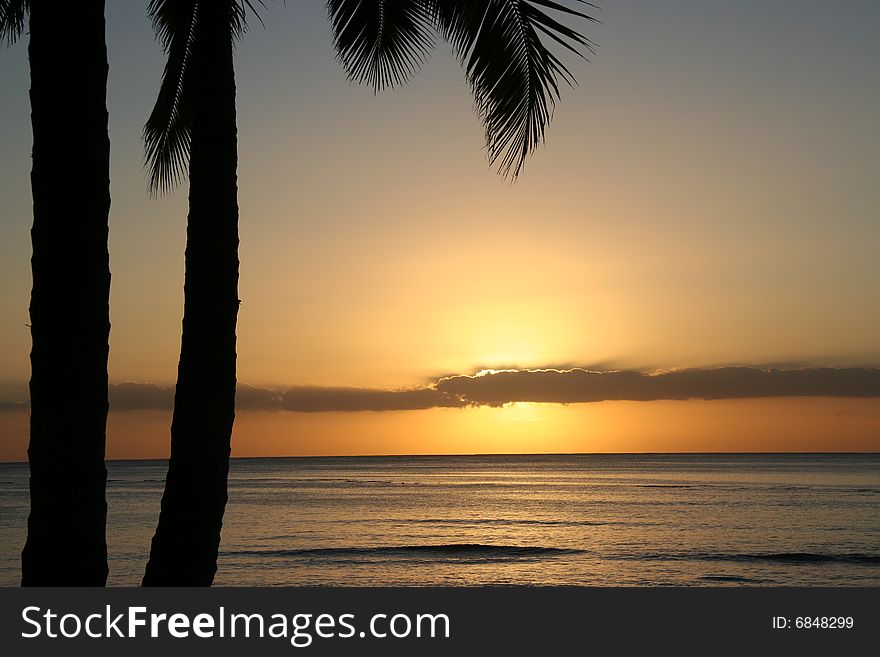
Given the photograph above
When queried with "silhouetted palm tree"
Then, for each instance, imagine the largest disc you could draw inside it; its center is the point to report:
(69, 310)
(195, 115)
(514, 78)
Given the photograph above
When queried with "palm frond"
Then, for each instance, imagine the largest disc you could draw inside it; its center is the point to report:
(12, 18)
(168, 131)
(514, 76)
(238, 10)
(381, 42)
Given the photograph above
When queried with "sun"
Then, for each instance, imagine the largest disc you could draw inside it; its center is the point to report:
(523, 412)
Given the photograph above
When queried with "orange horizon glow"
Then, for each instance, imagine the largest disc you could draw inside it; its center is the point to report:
(746, 426)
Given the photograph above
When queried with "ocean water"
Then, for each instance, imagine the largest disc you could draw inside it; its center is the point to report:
(606, 520)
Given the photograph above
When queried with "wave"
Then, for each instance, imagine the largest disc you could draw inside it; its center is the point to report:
(769, 557)
(291, 482)
(514, 521)
(457, 551)
(734, 579)
(811, 557)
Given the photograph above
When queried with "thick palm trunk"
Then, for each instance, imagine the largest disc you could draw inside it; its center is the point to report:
(70, 320)
(187, 539)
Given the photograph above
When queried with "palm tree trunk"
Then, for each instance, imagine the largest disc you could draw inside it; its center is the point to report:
(70, 319)
(187, 539)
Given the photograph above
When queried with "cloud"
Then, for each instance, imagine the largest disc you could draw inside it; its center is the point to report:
(314, 399)
(131, 396)
(581, 385)
(499, 387)
(252, 398)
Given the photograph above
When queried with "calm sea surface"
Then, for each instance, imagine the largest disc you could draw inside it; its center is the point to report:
(655, 520)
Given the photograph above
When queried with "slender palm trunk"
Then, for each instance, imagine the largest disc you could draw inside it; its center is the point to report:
(70, 318)
(187, 539)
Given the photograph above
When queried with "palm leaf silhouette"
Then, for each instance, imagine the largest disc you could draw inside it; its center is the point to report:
(379, 42)
(12, 18)
(513, 75)
(168, 131)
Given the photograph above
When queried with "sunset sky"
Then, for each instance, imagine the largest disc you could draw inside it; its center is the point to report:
(708, 197)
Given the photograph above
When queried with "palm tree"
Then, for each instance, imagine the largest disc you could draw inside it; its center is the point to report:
(69, 310)
(195, 115)
(514, 78)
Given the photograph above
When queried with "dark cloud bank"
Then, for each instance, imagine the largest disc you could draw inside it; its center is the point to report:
(496, 388)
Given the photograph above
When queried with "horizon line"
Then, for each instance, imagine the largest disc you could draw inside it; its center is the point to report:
(472, 454)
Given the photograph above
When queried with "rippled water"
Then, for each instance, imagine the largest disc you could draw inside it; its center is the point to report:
(703, 520)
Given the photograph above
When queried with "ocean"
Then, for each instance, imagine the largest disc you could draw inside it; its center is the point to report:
(595, 520)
